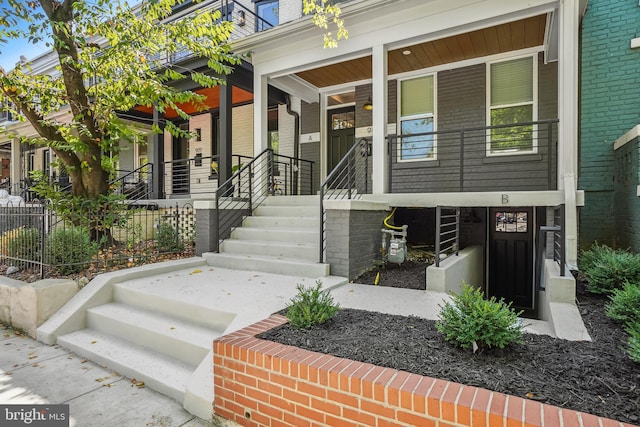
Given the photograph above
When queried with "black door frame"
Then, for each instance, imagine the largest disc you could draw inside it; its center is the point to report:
(331, 131)
(529, 304)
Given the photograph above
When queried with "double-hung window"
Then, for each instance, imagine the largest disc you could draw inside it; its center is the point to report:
(267, 12)
(417, 119)
(512, 100)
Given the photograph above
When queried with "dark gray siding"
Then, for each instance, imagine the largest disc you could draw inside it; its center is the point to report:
(311, 151)
(462, 105)
(364, 118)
(309, 117)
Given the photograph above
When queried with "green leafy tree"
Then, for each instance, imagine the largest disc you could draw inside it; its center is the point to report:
(105, 51)
(324, 11)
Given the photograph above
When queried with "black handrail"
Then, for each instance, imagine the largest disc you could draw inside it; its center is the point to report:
(559, 250)
(252, 183)
(135, 184)
(349, 179)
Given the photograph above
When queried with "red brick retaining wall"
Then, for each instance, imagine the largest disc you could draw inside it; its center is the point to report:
(262, 383)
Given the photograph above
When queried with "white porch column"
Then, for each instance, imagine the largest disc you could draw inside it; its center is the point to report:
(568, 115)
(15, 166)
(260, 119)
(380, 101)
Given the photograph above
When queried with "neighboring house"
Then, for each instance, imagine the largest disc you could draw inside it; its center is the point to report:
(610, 120)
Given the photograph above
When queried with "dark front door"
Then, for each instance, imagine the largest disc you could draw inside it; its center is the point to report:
(180, 165)
(511, 256)
(342, 135)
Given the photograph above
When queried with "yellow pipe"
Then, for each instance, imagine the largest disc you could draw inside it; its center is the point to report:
(393, 227)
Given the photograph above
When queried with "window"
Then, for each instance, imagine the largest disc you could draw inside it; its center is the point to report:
(511, 100)
(268, 12)
(417, 117)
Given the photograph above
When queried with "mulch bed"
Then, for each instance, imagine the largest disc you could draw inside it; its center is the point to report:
(595, 377)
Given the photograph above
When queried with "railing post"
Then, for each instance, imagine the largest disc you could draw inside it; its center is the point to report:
(457, 231)
(366, 166)
(349, 173)
(461, 160)
(43, 231)
(216, 243)
(250, 187)
(321, 257)
(550, 177)
(311, 179)
(438, 225)
(562, 241)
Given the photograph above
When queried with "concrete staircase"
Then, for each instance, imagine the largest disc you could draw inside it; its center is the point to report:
(166, 344)
(282, 237)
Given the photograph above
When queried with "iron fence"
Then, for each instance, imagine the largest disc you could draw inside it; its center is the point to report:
(60, 240)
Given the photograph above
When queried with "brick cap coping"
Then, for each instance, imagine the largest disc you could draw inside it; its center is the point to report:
(499, 407)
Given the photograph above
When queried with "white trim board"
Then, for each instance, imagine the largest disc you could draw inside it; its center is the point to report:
(629, 136)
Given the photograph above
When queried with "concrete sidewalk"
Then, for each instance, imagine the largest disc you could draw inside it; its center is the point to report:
(34, 373)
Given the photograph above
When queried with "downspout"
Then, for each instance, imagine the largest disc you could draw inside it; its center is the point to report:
(296, 141)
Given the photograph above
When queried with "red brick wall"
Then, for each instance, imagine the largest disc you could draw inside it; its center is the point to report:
(262, 383)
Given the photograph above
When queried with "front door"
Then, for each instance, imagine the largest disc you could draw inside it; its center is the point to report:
(342, 135)
(511, 256)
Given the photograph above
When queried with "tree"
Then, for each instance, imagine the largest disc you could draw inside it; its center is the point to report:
(323, 11)
(109, 62)
(105, 51)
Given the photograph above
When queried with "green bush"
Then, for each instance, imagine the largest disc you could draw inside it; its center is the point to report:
(634, 341)
(24, 243)
(168, 238)
(70, 250)
(624, 305)
(472, 322)
(607, 269)
(311, 306)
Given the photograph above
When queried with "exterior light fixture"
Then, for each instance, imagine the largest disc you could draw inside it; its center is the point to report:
(242, 19)
(368, 105)
(406, 52)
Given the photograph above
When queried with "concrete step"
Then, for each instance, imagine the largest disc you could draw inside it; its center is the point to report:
(293, 201)
(207, 317)
(159, 372)
(174, 337)
(268, 264)
(301, 251)
(277, 235)
(286, 223)
(288, 211)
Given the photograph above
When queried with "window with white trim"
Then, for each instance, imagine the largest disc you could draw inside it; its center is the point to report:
(417, 119)
(512, 100)
(267, 12)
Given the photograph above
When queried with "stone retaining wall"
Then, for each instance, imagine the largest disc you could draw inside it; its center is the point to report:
(262, 383)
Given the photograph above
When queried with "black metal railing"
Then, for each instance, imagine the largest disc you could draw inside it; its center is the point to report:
(135, 184)
(513, 157)
(557, 240)
(349, 179)
(252, 183)
(196, 175)
(65, 238)
(447, 232)
(246, 22)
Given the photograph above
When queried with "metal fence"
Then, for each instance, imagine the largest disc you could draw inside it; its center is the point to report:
(58, 240)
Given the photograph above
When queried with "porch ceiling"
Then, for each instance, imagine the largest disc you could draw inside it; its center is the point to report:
(521, 34)
(212, 101)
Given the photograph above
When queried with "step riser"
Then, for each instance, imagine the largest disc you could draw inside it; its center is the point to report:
(240, 247)
(285, 236)
(173, 347)
(269, 222)
(266, 266)
(123, 369)
(292, 201)
(288, 211)
(204, 316)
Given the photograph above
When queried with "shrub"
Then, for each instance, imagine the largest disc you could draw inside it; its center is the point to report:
(624, 305)
(70, 250)
(168, 238)
(607, 269)
(311, 306)
(23, 243)
(634, 341)
(472, 322)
